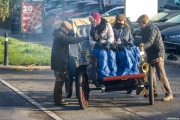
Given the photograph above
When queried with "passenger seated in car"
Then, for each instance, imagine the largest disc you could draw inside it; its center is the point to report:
(100, 38)
(128, 55)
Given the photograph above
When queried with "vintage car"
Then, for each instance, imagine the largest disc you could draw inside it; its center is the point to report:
(86, 73)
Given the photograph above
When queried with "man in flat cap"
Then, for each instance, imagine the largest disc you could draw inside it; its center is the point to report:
(154, 48)
(59, 57)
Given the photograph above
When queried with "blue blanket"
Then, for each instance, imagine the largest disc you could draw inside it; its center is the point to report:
(118, 63)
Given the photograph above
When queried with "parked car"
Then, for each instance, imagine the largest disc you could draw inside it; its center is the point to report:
(171, 35)
(85, 8)
(161, 17)
(110, 10)
(54, 4)
(113, 12)
(172, 4)
(173, 22)
(46, 1)
(118, 1)
(82, 15)
(72, 6)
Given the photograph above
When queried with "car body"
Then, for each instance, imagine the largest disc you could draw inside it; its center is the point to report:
(82, 15)
(113, 12)
(171, 35)
(72, 6)
(46, 1)
(172, 4)
(110, 10)
(54, 4)
(118, 1)
(85, 8)
(161, 17)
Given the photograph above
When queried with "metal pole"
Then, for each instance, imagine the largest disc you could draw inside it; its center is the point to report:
(63, 10)
(6, 62)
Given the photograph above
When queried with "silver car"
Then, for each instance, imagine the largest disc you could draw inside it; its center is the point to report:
(71, 6)
(113, 12)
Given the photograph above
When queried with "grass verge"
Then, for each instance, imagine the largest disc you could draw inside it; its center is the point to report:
(25, 53)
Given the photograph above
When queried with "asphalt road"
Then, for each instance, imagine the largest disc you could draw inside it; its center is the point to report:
(38, 85)
(14, 107)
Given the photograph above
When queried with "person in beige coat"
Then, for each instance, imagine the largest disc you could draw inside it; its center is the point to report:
(101, 32)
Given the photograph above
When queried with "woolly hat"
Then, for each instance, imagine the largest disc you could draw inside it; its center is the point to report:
(66, 24)
(143, 18)
(121, 17)
(96, 16)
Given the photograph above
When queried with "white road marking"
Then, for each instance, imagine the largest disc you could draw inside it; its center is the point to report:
(31, 100)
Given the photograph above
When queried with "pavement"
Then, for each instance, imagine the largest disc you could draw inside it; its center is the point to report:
(47, 41)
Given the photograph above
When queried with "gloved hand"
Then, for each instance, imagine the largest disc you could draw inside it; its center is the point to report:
(98, 45)
(120, 47)
(71, 33)
(128, 45)
(107, 46)
(113, 47)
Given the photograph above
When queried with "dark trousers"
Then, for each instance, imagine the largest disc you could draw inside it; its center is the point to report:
(60, 79)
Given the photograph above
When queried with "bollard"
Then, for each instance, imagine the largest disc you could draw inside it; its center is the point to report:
(6, 50)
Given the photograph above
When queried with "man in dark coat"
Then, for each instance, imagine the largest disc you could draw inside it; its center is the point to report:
(154, 48)
(59, 57)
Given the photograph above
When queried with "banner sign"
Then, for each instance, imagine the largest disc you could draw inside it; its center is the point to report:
(31, 17)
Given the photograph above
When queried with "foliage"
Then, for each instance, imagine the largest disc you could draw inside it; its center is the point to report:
(8, 5)
(25, 53)
(4, 9)
(14, 4)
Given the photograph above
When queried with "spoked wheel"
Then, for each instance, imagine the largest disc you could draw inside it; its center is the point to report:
(151, 90)
(76, 88)
(68, 88)
(83, 89)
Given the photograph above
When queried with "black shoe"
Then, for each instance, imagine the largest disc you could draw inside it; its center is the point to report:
(61, 102)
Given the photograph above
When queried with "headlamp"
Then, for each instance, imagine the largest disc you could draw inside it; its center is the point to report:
(174, 36)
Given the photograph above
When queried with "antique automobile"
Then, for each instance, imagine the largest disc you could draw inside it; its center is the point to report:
(86, 71)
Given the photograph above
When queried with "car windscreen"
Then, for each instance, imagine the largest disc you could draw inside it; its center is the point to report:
(116, 12)
(74, 6)
(175, 19)
(171, 1)
(169, 16)
(158, 16)
(89, 7)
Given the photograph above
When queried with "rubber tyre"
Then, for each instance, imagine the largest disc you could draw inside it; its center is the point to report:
(83, 89)
(70, 76)
(68, 88)
(151, 89)
(129, 91)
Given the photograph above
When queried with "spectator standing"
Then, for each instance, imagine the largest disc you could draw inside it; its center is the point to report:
(59, 57)
(154, 48)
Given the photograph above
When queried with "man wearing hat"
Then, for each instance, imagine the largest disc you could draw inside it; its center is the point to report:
(154, 48)
(59, 57)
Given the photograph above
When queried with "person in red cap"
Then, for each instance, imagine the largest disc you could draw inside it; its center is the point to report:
(101, 38)
(101, 32)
